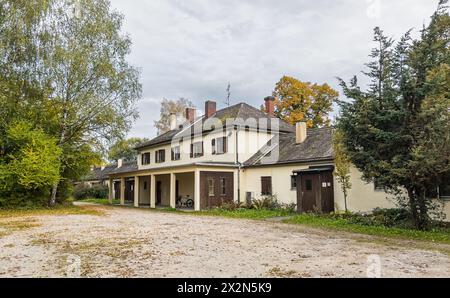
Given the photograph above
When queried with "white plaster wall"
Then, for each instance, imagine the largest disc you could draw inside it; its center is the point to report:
(249, 143)
(186, 184)
(281, 182)
(144, 194)
(165, 189)
(362, 196)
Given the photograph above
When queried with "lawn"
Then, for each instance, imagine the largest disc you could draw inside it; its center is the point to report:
(438, 235)
(13, 220)
(100, 201)
(441, 235)
(59, 210)
(248, 213)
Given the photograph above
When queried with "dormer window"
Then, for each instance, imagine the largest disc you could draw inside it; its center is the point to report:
(160, 156)
(219, 146)
(145, 158)
(197, 150)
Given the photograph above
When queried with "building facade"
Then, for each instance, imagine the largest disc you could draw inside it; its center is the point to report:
(241, 153)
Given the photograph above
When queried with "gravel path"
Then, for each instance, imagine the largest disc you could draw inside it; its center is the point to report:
(143, 243)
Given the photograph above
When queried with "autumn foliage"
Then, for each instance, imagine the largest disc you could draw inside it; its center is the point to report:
(304, 101)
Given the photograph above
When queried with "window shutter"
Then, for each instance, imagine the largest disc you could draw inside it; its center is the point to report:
(192, 150)
(225, 145)
(213, 146)
(266, 185)
(156, 157)
(163, 156)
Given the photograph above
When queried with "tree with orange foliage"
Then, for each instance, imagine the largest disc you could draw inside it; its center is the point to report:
(303, 101)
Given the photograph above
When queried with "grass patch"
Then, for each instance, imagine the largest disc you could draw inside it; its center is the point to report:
(100, 201)
(58, 210)
(280, 273)
(9, 227)
(248, 213)
(439, 235)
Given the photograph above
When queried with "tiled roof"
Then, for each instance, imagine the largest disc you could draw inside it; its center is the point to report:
(127, 167)
(99, 173)
(317, 146)
(240, 114)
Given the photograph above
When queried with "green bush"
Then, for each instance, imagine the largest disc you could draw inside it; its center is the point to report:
(271, 203)
(379, 217)
(267, 202)
(83, 191)
(232, 206)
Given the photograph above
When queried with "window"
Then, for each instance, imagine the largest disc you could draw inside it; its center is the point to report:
(293, 182)
(219, 146)
(266, 186)
(145, 158)
(176, 155)
(223, 186)
(211, 187)
(197, 150)
(308, 185)
(160, 156)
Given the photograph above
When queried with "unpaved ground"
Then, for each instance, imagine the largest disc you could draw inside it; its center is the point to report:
(143, 243)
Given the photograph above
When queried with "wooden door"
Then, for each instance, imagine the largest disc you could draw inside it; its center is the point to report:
(158, 193)
(129, 191)
(216, 188)
(117, 190)
(309, 190)
(327, 192)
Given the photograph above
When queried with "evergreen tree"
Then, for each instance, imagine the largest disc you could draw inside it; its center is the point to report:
(397, 131)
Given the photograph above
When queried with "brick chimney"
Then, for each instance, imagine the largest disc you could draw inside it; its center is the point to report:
(191, 114)
(210, 108)
(270, 105)
(301, 132)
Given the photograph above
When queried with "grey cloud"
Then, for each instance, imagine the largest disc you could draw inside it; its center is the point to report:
(193, 48)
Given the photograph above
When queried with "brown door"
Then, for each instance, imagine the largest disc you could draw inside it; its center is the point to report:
(129, 191)
(315, 192)
(216, 188)
(327, 192)
(158, 193)
(117, 190)
(308, 192)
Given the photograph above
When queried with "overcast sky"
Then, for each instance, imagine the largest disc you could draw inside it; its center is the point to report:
(193, 48)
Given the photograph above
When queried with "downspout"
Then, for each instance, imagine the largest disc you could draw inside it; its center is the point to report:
(236, 128)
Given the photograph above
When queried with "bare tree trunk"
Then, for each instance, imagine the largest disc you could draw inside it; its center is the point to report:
(53, 195)
(52, 201)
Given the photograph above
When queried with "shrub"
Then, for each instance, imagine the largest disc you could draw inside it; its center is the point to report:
(378, 217)
(232, 206)
(83, 191)
(271, 203)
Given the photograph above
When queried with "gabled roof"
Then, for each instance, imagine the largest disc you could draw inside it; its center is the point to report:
(127, 167)
(317, 147)
(240, 114)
